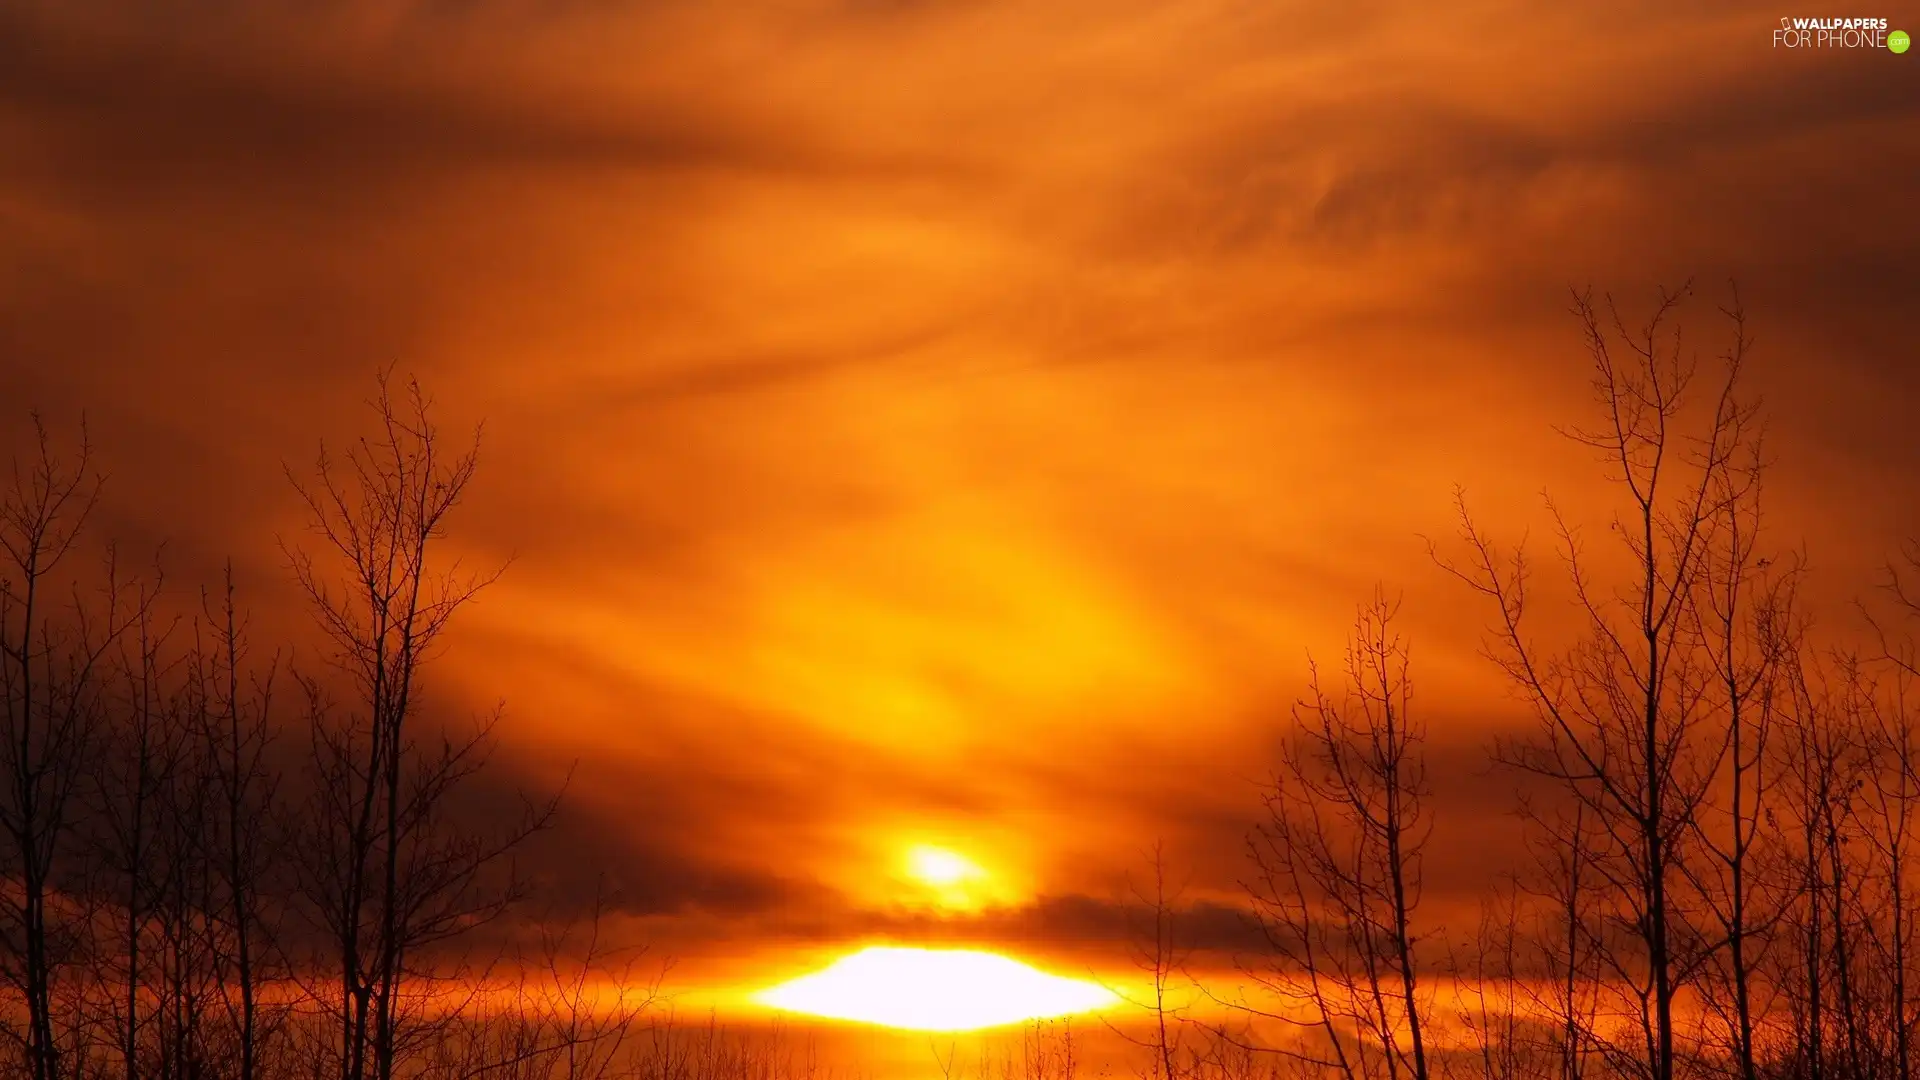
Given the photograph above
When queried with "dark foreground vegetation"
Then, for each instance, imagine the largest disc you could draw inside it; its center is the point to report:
(223, 858)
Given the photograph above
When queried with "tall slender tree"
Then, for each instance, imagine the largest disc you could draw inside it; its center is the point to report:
(392, 873)
(235, 736)
(54, 653)
(1338, 864)
(1627, 712)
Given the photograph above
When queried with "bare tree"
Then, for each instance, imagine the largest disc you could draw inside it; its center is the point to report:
(569, 1009)
(1158, 953)
(1889, 797)
(393, 875)
(135, 762)
(1338, 864)
(1751, 631)
(1627, 712)
(1818, 755)
(184, 976)
(1488, 994)
(234, 733)
(53, 654)
(1562, 931)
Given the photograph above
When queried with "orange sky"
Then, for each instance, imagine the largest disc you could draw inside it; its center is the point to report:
(940, 421)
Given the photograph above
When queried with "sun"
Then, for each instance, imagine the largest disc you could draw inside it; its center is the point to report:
(940, 868)
(935, 990)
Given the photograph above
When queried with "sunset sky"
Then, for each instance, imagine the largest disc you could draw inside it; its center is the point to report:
(941, 424)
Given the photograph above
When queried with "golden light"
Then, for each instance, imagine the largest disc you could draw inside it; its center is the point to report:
(935, 990)
(940, 868)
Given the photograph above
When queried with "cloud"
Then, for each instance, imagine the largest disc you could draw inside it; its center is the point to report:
(949, 420)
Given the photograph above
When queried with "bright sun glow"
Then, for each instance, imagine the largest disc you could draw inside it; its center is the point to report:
(934, 990)
(941, 868)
